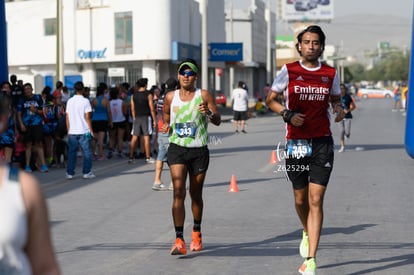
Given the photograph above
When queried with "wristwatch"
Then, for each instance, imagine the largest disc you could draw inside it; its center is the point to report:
(210, 114)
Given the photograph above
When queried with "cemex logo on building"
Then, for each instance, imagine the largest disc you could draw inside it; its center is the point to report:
(229, 52)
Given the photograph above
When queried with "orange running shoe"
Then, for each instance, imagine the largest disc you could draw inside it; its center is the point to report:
(196, 243)
(179, 247)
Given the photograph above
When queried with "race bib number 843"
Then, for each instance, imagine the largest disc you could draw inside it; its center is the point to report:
(187, 129)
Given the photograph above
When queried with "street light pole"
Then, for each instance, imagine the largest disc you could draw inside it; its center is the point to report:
(204, 48)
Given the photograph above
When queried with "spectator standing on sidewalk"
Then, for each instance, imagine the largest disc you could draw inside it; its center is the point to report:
(187, 112)
(162, 139)
(118, 108)
(143, 110)
(240, 100)
(79, 125)
(16, 91)
(30, 119)
(25, 238)
(101, 120)
(310, 86)
(8, 135)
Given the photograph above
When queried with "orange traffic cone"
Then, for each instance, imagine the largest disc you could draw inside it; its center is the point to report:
(233, 184)
(273, 158)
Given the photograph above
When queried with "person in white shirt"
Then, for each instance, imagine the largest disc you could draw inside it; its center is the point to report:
(240, 101)
(79, 125)
(117, 131)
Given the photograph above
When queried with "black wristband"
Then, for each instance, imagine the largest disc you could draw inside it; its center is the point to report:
(287, 115)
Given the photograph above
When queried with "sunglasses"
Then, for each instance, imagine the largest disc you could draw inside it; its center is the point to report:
(187, 73)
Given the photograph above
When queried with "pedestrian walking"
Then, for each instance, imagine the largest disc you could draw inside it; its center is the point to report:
(309, 86)
(397, 91)
(348, 103)
(79, 125)
(187, 112)
(143, 111)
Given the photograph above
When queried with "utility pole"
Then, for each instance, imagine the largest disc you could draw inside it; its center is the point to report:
(268, 44)
(231, 69)
(59, 43)
(4, 66)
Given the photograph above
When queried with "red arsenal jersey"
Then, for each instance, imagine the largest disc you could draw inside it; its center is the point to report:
(308, 92)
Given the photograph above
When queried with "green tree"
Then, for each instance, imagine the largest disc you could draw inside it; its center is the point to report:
(393, 65)
(358, 72)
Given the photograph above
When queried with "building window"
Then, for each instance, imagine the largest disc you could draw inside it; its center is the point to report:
(50, 26)
(123, 33)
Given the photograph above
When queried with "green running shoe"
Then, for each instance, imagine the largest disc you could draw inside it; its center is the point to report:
(304, 245)
(308, 267)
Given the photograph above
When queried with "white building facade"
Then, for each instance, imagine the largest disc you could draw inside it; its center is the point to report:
(109, 41)
(116, 41)
(246, 22)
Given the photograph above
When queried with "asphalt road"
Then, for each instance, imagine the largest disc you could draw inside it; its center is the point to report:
(116, 224)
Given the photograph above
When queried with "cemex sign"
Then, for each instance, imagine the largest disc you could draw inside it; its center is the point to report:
(228, 52)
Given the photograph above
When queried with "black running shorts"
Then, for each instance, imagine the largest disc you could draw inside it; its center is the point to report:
(195, 159)
(99, 126)
(316, 168)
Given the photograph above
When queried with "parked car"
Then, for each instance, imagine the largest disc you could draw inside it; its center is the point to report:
(221, 99)
(372, 92)
(324, 2)
(305, 5)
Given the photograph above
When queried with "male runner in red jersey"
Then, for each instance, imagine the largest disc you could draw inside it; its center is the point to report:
(309, 86)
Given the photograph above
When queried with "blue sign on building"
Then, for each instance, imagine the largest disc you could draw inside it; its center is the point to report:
(69, 81)
(85, 54)
(181, 51)
(230, 52)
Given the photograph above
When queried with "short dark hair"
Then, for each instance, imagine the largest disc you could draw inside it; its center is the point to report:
(142, 82)
(101, 88)
(170, 84)
(313, 29)
(113, 93)
(78, 86)
(27, 84)
(59, 84)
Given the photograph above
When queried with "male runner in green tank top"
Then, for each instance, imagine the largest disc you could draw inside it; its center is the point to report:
(187, 112)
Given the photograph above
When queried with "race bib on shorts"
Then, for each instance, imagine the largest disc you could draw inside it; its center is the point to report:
(298, 148)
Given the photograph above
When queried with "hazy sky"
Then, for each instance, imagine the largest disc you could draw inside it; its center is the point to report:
(403, 8)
